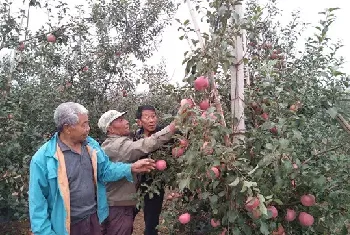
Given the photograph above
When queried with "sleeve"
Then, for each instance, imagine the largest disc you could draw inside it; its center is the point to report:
(38, 205)
(113, 171)
(130, 151)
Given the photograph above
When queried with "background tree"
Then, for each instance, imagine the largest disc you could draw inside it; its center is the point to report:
(85, 54)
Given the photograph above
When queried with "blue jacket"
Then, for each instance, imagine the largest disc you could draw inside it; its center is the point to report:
(49, 198)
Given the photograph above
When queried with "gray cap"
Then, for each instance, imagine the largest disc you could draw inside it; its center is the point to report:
(107, 118)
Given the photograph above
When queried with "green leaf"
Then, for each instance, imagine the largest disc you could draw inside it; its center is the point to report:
(215, 184)
(278, 201)
(283, 143)
(231, 216)
(264, 228)
(269, 146)
(184, 183)
(213, 199)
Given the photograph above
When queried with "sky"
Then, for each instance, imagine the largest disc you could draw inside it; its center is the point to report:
(172, 50)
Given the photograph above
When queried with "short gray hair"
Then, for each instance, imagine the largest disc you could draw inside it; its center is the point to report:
(67, 113)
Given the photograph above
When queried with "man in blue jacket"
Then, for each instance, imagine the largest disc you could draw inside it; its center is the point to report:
(67, 194)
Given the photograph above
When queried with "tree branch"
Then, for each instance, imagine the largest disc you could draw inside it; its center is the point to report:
(343, 123)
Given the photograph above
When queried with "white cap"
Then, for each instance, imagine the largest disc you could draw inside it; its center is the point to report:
(107, 118)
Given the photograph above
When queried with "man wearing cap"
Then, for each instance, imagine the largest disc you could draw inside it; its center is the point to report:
(120, 147)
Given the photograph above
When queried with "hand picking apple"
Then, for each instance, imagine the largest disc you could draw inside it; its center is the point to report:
(143, 165)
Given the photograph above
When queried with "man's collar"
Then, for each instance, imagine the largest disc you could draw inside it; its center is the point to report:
(65, 147)
(141, 131)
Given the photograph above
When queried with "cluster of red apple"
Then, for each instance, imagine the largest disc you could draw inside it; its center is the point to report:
(304, 218)
(49, 38)
(200, 84)
(265, 115)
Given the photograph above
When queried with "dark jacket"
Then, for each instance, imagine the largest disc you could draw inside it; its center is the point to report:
(143, 178)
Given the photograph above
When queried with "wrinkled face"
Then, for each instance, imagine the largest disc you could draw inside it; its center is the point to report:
(148, 121)
(119, 126)
(79, 131)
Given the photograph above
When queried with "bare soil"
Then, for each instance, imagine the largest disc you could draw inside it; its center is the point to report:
(23, 228)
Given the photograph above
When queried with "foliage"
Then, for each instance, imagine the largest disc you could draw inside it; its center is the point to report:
(294, 91)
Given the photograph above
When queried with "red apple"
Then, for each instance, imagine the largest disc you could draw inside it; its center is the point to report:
(51, 38)
(214, 223)
(118, 53)
(187, 102)
(10, 116)
(267, 45)
(201, 83)
(293, 108)
(125, 94)
(207, 149)
(177, 151)
(306, 219)
(169, 197)
(215, 170)
(274, 130)
(224, 231)
(254, 105)
(307, 200)
(265, 116)
(291, 215)
(273, 56)
(279, 231)
(273, 210)
(185, 218)
(204, 105)
(161, 165)
(184, 143)
(85, 68)
(295, 166)
(21, 46)
(252, 203)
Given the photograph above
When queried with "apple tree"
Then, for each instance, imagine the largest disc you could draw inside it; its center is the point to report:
(84, 54)
(288, 171)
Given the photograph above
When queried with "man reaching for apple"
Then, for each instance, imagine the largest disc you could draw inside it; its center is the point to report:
(121, 148)
(147, 120)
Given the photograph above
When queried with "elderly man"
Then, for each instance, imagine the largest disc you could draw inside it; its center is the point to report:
(120, 147)
(67, 194)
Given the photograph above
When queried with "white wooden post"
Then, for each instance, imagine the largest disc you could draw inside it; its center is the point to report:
(237, 79)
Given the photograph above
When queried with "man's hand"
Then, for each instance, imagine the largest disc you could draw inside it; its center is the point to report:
(143, 165)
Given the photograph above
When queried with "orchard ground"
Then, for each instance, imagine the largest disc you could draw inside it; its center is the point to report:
(22, 227)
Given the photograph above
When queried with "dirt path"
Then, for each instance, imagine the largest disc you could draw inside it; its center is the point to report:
(139, 224)
(22, 227)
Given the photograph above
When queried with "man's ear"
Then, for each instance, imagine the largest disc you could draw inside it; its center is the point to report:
(139, 123)
(108, 129)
